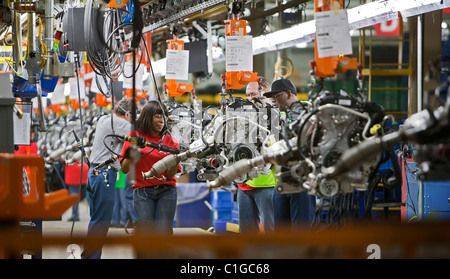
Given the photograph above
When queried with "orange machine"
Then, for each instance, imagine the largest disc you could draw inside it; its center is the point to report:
(74, 104)
(23, 197)
(36, 204)
(59, 108)
(173, 88)
(237, 80)
(330, 66)
(117, 3)
(101, 100)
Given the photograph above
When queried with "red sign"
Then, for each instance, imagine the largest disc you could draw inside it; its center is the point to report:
(389, 28)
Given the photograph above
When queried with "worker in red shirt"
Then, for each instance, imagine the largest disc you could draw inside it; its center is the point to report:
(155, 199)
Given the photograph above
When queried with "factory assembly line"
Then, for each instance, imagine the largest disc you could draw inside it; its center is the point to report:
(68, 64)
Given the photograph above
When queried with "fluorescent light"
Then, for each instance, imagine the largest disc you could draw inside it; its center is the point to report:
(289, 37)
(302, 45)
(416, 7)
(370, 14)
(398, 5)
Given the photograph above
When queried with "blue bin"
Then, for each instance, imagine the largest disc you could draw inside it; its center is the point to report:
(221, 214)
(222, 207)
(191, 209)
(220, 226)
(221, 199)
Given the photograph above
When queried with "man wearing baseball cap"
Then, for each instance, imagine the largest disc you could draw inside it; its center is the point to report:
(297, 209)
(283, 94)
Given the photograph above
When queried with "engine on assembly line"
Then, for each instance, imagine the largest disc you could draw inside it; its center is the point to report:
(259, 137)
(237, 130)
(321, 131)
(325, 129)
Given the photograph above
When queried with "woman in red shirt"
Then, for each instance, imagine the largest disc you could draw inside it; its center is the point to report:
(155, 199)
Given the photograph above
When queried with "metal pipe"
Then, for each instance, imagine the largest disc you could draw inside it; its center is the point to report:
(32, 47)
(419, 63)
(17, 39)
(42, 125)
(166, 163)
(48, 68)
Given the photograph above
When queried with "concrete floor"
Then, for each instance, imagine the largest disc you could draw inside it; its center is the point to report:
(63, 227)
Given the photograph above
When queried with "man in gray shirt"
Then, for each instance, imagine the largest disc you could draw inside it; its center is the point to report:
(101, 182)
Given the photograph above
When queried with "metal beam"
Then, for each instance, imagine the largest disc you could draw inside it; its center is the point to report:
(186, 12)
(277, 9)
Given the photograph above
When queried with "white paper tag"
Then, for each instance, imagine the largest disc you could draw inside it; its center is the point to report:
(333, 33)
(95, 87)
(239, 54)
(128, 76)
(74, 89)
(22, 129)
(177, 64)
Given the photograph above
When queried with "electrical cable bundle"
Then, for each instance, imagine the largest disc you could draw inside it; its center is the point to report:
(106, 48)
(104, 54)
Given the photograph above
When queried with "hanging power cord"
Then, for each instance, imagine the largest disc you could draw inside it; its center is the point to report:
(81, 143)
(10, 62)
(110, 60)
(133, 150)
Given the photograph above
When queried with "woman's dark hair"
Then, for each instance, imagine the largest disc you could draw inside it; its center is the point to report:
(144, 122)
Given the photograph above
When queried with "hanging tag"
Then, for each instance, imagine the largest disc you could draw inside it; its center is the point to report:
(177, 64)
(239, 54)
(333, 34)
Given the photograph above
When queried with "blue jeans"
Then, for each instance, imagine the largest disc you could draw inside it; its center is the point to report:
(119, 216)
(76, 189)
(155, 208)
(293, 210)
(255, 205)
(101, 203)
(129, 202)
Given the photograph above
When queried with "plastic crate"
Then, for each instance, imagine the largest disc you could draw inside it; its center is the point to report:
(221, 214)
(221, 199)
(191, 208)
(220, 227)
